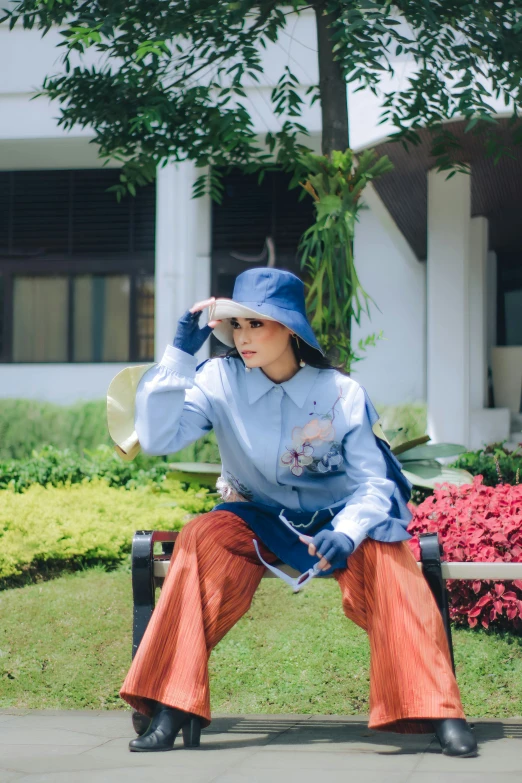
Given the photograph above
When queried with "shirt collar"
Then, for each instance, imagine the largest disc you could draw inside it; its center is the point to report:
(298, 387)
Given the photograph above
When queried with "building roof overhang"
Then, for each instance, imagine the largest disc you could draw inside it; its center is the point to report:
(496, 188)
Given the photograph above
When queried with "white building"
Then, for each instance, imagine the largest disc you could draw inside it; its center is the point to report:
(88, 285)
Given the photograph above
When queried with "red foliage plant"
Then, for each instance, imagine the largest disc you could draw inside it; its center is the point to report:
(476, 523)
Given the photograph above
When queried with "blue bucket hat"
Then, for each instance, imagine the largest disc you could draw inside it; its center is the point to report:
(272, 294)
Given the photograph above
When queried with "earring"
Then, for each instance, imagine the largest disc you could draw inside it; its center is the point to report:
(301, 362)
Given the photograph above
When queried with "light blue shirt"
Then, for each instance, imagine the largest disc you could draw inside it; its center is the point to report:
(305, 444)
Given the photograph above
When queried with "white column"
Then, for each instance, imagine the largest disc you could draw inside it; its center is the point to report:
(449, 208)
(182, 274)
(478, 315)
(202, 280)
(487, 425)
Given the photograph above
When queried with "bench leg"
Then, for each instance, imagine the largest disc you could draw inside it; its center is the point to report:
(431, 551)
(143, 601)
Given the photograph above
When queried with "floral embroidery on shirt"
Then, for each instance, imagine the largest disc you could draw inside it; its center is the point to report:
(314, 430)
(329, 461)
(298, 455)
(321, 430)
(330, 414)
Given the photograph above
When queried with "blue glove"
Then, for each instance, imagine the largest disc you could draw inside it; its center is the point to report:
(189, 337)
(334, 547)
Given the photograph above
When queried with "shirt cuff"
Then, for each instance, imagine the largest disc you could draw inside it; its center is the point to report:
(351, 529)
(179, 362)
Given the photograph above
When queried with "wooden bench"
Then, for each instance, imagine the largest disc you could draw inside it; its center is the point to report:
(149, 570)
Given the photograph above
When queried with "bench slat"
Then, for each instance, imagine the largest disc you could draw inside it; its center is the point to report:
(482, 570)
(498, 571)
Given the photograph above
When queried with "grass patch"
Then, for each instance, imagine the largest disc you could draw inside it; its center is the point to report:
(66, 644)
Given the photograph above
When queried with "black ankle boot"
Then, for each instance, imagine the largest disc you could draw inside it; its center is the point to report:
(140, 722)
(455, 737)
(164, 728)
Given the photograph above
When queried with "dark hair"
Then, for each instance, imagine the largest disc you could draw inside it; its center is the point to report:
(304, 352)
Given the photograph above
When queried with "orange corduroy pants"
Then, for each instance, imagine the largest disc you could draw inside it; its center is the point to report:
(211, 581)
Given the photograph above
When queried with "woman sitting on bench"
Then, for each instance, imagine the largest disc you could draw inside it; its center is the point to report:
(307, 479)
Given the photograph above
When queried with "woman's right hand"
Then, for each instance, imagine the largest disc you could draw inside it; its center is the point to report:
(189, 337)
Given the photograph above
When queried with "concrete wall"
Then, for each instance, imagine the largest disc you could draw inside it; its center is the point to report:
(395, 370)
(59, 383)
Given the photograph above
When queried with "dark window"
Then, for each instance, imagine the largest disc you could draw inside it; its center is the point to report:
(40, 319)
(39, 212)
(82, 318)
(145, 318)
(252, 213)
(76, 268)
(509, 299)
(5, 199)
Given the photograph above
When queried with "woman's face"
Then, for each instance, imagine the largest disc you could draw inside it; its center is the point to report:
(261, 343)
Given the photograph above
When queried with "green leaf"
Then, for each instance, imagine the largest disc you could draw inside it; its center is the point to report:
(419, 477)
(410, 444)
(432, 451)
(328, 205)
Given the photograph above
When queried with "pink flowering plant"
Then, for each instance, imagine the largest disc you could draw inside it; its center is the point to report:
(476, 523)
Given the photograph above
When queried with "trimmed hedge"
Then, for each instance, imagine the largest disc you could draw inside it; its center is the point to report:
(26, 425)
(53, 467)
(47, 530)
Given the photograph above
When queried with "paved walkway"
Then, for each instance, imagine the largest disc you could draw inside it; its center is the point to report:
(91, 747)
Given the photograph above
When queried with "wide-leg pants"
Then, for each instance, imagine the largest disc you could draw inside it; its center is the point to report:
(211, 581)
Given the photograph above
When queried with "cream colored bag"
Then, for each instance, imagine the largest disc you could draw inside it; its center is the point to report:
(121, 404)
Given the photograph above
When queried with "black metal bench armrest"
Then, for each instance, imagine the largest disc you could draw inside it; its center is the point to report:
(143, 586)
(431, 551)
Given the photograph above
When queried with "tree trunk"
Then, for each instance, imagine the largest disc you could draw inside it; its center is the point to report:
(333, 93)
(332, 86)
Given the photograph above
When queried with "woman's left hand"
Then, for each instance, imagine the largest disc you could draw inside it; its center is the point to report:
(331, 547)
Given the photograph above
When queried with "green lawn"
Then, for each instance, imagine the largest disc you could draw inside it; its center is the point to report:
(66, 644)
